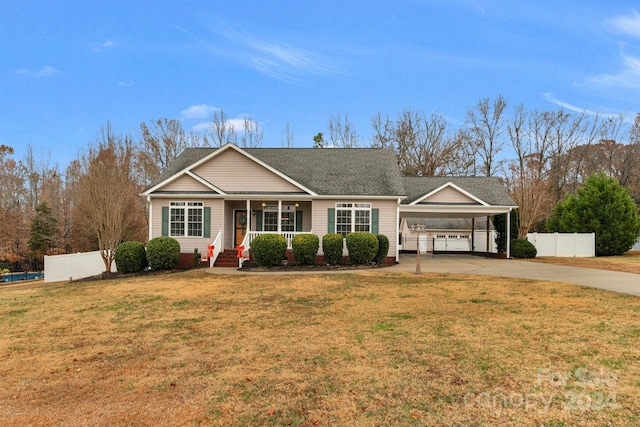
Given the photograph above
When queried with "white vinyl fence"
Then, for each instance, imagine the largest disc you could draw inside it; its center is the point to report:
(60, 268)
(564, 244)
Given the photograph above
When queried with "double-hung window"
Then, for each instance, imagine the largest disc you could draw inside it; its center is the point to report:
(287, 218)
(186, 219)
(352, 217)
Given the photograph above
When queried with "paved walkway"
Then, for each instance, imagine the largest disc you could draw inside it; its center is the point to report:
(628, 283)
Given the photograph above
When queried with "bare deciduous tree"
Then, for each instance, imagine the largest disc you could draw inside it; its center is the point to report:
(222, 130)
(162, 141)
(486, 126)
(527, 174)
(287, 139)
(13, 175)
(342, 134)
(107, 208)
(424, 146)
(252, 134)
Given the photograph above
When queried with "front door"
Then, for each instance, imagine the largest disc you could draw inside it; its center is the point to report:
(240, 222)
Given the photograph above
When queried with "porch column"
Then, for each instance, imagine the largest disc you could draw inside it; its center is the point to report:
(150, 218)
(279, 216)
(248, 216)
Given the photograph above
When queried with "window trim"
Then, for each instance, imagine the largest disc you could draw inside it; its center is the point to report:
(187, 208)
(352, 208)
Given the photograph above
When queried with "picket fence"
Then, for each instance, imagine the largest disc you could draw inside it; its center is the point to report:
(60, 268)
(564, 244)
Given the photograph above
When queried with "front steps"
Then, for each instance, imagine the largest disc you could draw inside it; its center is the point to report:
(227, 258)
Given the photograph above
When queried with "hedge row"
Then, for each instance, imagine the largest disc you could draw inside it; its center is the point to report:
(161, 253)
(270, 249)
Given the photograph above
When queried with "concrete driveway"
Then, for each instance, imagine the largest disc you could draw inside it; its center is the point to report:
(628, 283)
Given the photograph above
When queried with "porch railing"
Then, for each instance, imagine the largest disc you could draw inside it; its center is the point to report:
(289, 235)
(217, 248)
(248, 238)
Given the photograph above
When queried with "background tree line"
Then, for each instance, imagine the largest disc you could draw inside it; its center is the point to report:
(540, 155)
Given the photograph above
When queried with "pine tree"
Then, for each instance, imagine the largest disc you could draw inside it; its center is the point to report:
(601, 206)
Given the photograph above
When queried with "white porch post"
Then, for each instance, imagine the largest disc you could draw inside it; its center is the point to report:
(279, 216)
(248, 216)
(150, 217)
(509, 234)
(398, 232)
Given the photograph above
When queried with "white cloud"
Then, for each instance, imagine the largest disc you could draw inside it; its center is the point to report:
(567, 106)
(236, 123)
(98, 47)
(628, 77)
(629, 25)
(125, 84)
(45, 72)
(274, 58)
(199, 111)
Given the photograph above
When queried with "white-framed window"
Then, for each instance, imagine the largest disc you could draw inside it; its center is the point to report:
(352, 217)
(186, 219)
(287, 218)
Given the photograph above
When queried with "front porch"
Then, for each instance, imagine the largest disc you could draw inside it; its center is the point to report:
(244, 220)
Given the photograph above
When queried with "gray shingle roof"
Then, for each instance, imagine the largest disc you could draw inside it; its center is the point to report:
(344, 171)
(350, 171)
(488, 189)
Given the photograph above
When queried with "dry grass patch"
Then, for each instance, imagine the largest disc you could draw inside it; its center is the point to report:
(629, 262)
(349, 349)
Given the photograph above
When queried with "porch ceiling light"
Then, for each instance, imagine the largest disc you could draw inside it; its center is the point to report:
(264, 204)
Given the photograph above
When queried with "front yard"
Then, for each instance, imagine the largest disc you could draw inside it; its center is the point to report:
(629, 262)
(363, 349)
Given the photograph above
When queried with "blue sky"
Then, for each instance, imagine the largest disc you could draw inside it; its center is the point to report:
(68, 67)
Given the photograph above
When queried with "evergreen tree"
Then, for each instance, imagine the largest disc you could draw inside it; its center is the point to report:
(601, 206)
(43, 228)
(500, 224)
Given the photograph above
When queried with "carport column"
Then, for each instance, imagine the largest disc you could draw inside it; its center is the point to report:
(473, 235)
(509, 234)
(487, 235)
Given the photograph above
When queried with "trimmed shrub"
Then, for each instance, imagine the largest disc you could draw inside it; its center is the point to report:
(305, 248)
(163, 253)
(522, 248)
(268, 249)
(362, 247)
(383, 249)
(130, 257)
(196, 258)
(332, 248)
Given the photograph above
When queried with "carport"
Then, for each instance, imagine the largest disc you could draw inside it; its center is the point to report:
(456, 197)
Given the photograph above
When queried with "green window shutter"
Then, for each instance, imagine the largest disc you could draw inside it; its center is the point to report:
(374, 221)
(298, 220)
(165, 220)
(207, 222)
(332, 221)
(258, 220)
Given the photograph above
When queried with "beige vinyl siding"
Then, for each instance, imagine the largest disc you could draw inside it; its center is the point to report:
(387, 218)
(188, 244)
(185, 183)
(449, 195)
(231, 171)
